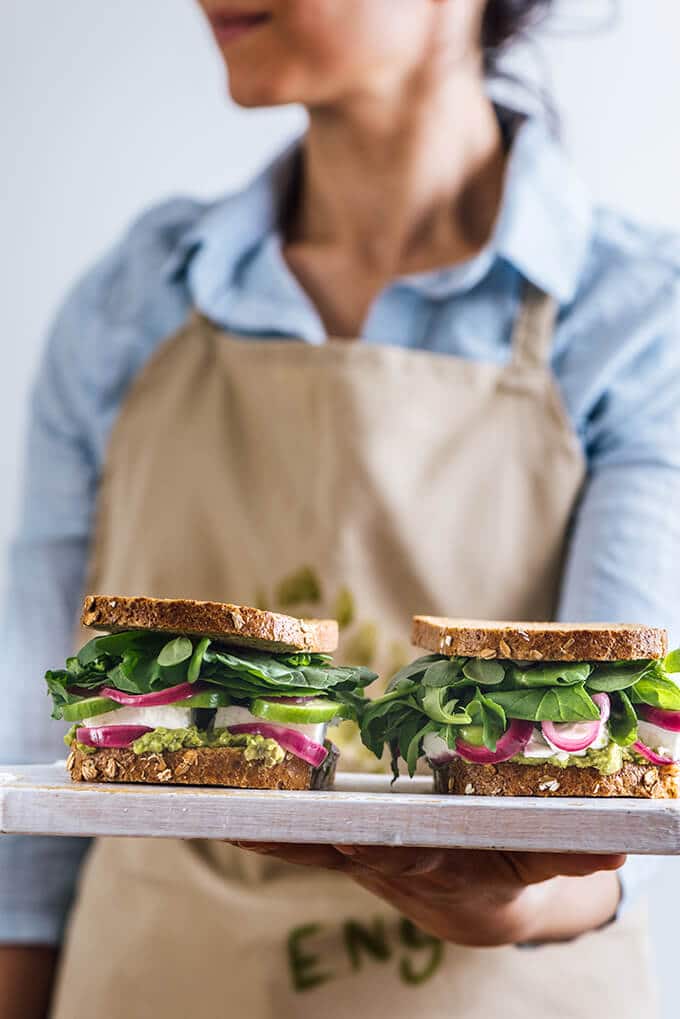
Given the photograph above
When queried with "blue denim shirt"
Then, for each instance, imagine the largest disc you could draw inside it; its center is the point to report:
(616, 359)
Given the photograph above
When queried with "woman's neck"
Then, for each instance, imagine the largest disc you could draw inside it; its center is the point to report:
(406, 183)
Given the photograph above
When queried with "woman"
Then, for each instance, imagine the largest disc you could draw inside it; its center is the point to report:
(502, 442)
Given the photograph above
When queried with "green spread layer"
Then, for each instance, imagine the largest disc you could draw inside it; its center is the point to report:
(607, 761)
(255, 748)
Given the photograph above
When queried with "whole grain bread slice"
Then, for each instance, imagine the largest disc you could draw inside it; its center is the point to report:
(562, 642)
(646, 781)
(212, 766)
(230, 624)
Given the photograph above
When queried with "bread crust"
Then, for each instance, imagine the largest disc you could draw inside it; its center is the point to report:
(646, 781)
(208, 766)
(561, 642)
(230, 624)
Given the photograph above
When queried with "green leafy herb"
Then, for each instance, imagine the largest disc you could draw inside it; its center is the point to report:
(671, 662)
(554, 674)
(623, 722)
(492, 717)
(175, 652)
(485, 672)
(140, 662)
(416, 670)
(433, 694)
(414, 746)
(547, 704)
(656, 689)
(609, 677)
(196, 662)
(439, 709)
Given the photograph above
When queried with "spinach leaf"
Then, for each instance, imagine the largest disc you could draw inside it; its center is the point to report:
(671, 662)
(623, 722)
(658, 690)
(554, 674)
(175, 652)
(57, 685)
(482, 671)
(547, 704)
(443, 673)
(116, 644)
(609, 677)
(196, 662)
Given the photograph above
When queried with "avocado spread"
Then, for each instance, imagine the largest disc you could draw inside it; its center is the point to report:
(255, 748)
(608, 760)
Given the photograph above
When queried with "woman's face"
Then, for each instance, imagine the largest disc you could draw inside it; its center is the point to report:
(323, 51)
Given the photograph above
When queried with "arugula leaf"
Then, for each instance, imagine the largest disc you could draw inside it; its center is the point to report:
(623, 722)
(492, 717)
(414, 670)
(547, 704)
(485, 672)
(438, 709)
(415, 746)
(555, 674)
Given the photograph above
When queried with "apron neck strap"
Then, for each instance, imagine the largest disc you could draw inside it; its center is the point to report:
(533, 333)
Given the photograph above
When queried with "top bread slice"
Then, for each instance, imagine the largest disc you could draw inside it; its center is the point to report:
(555, 642)
(230, 624)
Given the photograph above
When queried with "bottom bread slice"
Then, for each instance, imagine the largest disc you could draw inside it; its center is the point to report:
(641, 780)
(213, 766)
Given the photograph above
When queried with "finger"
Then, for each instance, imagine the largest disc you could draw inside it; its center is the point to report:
(532, 868)
(395, 862)
(325, 857)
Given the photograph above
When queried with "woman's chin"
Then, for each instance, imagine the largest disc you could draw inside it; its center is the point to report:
(252, 93)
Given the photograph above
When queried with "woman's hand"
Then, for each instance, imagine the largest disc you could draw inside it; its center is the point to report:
(26, 977)
(477, 897)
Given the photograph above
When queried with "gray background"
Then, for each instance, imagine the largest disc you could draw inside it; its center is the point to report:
(108, 107)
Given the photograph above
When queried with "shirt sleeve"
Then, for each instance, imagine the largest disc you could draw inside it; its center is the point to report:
(45, 579)
(623, 559)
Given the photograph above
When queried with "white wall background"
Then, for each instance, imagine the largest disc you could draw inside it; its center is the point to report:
(105, 108)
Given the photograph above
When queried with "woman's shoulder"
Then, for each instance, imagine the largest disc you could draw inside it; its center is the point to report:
(625, 251)
(119, 310)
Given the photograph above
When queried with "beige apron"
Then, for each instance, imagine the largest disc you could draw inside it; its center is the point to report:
(370, 481)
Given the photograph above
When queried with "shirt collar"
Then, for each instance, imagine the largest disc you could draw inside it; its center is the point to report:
(543, 229)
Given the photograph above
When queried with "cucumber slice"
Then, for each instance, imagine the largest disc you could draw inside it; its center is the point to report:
(88, 707)
(472, 734)
(206, 699)
(311, 713)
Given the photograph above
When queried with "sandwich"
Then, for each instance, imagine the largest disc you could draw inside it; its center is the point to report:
(203, 693)
(534, 709)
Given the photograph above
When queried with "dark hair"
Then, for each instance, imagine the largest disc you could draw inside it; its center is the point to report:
(505, 20)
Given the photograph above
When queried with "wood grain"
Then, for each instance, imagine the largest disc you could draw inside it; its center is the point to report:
(41, 800)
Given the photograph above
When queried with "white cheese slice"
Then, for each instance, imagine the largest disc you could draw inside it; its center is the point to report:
(235, 715)
(663, 742)
(434, 746)
(164, 716)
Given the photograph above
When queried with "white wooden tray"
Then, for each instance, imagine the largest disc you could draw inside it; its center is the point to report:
(362, 809)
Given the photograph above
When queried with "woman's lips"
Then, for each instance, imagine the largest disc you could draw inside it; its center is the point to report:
(228, 27)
